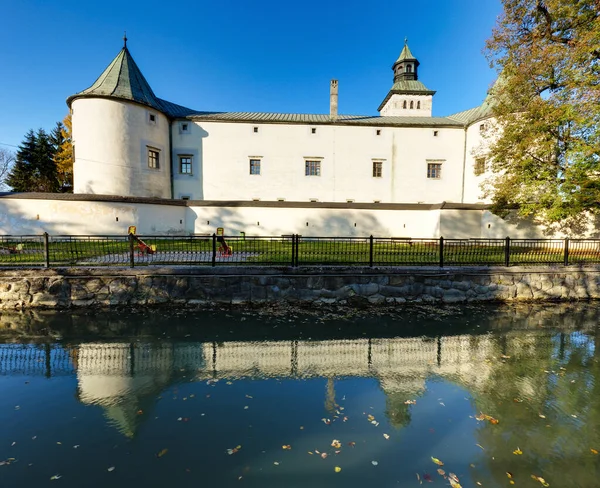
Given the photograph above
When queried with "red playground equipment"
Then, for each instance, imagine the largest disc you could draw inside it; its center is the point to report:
(224, 249)
(143, 248)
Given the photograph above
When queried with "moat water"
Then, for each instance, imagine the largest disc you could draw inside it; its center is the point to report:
(461, 396)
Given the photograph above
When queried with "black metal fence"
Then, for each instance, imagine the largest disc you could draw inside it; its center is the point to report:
(290, 251)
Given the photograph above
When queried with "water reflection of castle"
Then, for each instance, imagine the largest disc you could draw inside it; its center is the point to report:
(120, 377)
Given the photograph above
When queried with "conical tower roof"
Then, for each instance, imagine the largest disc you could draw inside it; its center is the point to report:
(122, 79)
(405, 54)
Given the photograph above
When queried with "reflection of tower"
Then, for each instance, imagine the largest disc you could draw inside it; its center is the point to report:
(330, 404)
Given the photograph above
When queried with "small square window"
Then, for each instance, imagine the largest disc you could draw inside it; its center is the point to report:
(377, 169)
(479, 167)
(184, 127)
(313, 130)
(378, 132)
(376, 201)
(350, 200)
(255, 129)
(312, 168)
(151, 118)
(255, 166)
(153, 158)
(185, 197)
(281, 199)
(434, 171)
(185, 165)
(313, 200)
(435, 133)
(483, 128)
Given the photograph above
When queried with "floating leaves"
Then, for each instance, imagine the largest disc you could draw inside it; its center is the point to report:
(483, 416)
(336, 444)
(410, 402)
(540, 479)
(386, 436)
(594, 451)
(337, 469)
(162, 453)
(374, 463)
(518, 451)
(111, 469)
(286, 447)
(441, 472)
(437, 461)
(234, 450)
(55, 477)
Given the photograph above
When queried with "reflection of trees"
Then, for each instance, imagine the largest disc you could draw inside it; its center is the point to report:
(555, 375)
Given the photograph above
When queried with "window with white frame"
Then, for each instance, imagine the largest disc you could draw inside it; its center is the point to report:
(185, 164)
(312, 168)
(255, 166)
(434, 169)
(151, 118)
(153, 158)
(377, 169)
(184, 127)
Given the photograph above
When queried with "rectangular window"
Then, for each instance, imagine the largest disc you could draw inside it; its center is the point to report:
(434, 170)
(255, 166)
(185, 165)
(153, 158)
(312, 168)
(479, 167)
(377, 169)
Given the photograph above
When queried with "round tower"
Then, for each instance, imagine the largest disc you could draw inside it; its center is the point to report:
(120, 135)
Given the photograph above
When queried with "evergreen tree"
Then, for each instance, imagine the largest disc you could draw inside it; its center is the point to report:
(44, 160)
(20, 177)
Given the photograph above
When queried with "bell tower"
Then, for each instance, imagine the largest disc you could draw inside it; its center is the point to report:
(408, 97)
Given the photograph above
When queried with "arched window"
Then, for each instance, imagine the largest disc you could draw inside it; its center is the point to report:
(412, 104)
(409, 68)
(418, 105)
(404, 104)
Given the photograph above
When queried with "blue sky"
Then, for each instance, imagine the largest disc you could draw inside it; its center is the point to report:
(240, 55)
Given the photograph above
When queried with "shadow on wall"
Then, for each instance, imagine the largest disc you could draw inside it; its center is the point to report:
(460, 224)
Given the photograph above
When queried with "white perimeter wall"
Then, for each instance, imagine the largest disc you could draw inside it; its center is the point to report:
(35, 216)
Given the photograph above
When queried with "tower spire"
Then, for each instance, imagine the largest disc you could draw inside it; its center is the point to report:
(125, 39)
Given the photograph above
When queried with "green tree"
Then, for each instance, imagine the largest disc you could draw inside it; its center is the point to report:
(34, 168)
(546, 151)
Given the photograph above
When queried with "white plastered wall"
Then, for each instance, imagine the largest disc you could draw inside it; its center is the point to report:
(395, 106)
(222, 151)
(111, 140)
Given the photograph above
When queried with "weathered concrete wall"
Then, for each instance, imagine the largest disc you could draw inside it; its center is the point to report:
(57, 288)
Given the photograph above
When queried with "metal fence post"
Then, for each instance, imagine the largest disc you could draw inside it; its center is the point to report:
(507, 252)
(214, 254)
(297, 246)
(293, 248)
(131, 251)
(371, 251)
(46, 251)
(441, 252)
(566, 263)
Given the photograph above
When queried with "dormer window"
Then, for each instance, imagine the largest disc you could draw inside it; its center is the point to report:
(409, 68)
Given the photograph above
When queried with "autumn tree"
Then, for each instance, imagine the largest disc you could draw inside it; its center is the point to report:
(546, 151)
(63, 155)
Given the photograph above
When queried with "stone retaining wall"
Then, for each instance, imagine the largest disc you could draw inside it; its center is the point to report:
(62, 288)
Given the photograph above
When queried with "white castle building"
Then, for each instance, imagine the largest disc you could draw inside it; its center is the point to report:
(129, 142)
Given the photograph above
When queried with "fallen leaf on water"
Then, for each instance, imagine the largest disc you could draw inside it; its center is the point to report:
(162, 453)
(542, 416)
(112, 468)
(517, 451)
(323, 455)
(480, 447)
(540, 479)
(453, 477)
(509, 474)
(441, 472)
(410, 402)
(593, 451)
(386, 436)
(370, 418)
(287, 446)
(234, 450)
(352, 443)
(55, 477)
(335, 443)
(437, 461)
(455, 484)
(374, 463)
(427, 477)
(310, 453)
(419, 479)
(483, 416)
(337, 469)
(275, 463)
